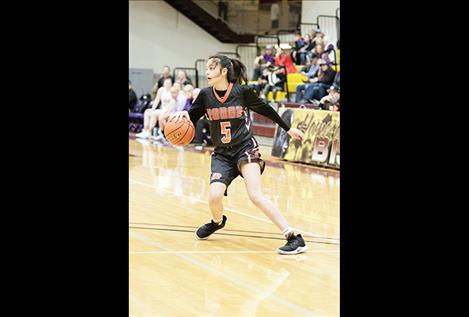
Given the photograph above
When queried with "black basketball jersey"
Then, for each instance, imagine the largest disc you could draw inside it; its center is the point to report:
(229, 113)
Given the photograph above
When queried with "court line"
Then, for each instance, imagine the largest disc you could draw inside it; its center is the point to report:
(225, 208)
(228, 277)
(193, 227)
(220, 252)
(229, 234)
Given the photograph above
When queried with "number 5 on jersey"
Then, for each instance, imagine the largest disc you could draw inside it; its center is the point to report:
(226, 131)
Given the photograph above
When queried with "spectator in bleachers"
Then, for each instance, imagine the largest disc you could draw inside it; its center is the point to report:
(263, 61)
(318, 89)
(331, 101)
(159, 84)
(261, 82)
(320, 52)
(282, 57)
(305, 50)
(179, 87)
(182, 78)
(318, 34)
(180, 99)
(275, 82)
(312, 77)
(299, 40)
(188, 91)
(150, 116)
(195, 93)
(305, 68)
(299, 43)
(176, 103)
(132, 97)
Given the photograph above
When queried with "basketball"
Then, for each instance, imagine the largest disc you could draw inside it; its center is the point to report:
(179, 133)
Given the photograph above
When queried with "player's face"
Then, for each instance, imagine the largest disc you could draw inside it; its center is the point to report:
(213, 72)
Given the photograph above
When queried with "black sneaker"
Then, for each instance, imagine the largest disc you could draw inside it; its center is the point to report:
(294, 245)
(209, 228)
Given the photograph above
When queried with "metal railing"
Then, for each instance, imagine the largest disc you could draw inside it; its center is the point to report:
(229, 54)
(247, 54)
(201, 81)
(239, 20)
(330, 25)
(263, 40)
(287, 36)
(308, 28)
(191, 73)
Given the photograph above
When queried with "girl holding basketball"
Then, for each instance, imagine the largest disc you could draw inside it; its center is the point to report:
(227, 104)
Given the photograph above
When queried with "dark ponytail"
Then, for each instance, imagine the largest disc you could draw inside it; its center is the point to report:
(236, 70)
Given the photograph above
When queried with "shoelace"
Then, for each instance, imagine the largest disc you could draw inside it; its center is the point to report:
(291, 241)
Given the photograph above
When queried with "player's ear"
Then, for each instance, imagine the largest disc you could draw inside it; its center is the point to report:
(224, 71)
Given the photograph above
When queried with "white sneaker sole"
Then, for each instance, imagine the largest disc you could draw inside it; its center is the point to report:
(297, 251)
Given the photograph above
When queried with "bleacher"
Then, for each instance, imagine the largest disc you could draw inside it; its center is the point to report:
(262, 126)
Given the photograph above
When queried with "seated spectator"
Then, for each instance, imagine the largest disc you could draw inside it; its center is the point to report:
(299, 43)
(182, 78)
(312, 76)
(331, 101)
(132, 97)
(188, 90)
(305, 50)
(305, 67)
(263, 61)
(275, 82)
(261, 82)
(202, 127)
(317, 34)
(299, 40)
(282, 57)
(195, 93)
(150, 116)
(325, 79)
(176, 103)
(159, 84)
(179, 87)
(320, 52)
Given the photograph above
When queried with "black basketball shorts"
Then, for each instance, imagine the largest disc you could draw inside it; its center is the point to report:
(226, 161)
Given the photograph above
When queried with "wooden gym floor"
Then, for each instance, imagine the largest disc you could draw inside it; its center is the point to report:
(236, 272)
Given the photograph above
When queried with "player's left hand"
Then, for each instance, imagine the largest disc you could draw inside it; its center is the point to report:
(296, 134)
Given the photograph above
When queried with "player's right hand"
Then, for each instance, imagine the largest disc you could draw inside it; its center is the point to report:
(177, 116)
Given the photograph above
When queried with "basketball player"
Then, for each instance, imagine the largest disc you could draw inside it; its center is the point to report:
(227, 104)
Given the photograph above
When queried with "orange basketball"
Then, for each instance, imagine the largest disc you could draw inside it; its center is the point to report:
(179, 133)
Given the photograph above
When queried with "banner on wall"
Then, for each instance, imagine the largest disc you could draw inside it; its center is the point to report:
(321, 144)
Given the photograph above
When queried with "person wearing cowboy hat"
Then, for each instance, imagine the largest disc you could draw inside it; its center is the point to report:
(331, 101)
